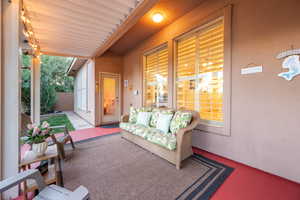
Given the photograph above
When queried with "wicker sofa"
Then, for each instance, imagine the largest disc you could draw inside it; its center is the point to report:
(174, 147)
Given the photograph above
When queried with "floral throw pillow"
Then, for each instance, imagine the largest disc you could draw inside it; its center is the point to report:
(144, 109)
(180, 120)
(155, 114)
(133, 113)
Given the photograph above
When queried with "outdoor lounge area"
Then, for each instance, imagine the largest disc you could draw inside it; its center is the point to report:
(149, 99)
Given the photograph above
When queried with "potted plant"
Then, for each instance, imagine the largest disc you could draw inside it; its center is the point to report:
(36, 136)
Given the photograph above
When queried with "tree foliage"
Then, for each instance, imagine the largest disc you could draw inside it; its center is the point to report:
(54, 79)
(55, 68)
(25, 88)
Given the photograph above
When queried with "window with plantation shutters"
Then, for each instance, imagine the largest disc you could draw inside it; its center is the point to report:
(199, 72)
(156, 77)
(82, 88)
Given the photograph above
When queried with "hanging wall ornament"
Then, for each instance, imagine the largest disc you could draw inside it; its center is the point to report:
(291, 62)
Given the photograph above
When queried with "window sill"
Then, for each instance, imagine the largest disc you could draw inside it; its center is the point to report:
(84, 111)
(211, 129)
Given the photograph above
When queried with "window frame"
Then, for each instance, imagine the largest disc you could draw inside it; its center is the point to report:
(226, 17)
(153, 50)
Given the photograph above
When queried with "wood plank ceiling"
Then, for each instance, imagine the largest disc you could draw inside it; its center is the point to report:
(77, 27)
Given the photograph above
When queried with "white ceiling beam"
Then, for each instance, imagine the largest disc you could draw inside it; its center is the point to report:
(68, 32)
(76, 43)
(129, 3)
(69, 39)
(67, 44)
(114, 5)
(64, 55)
(43, 38)
(111, 6)
(61, 7)
(79, 52)
(70, 52)
(61, 26)
(48, 16)
(42, 21)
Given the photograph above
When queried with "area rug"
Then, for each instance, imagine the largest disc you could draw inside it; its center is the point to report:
(114, 168)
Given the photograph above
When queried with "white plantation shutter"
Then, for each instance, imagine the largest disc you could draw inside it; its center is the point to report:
(199, 73)
(81, 88)
(84, 89)
(156, 78)
(186, 70)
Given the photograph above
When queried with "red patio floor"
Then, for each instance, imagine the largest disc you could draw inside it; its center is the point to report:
(245, 183)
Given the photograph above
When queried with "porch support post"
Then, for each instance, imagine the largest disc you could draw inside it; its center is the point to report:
(1, 93)
(10, 94)
(35, 90)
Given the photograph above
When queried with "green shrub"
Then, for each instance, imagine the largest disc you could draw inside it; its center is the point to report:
(54, 79)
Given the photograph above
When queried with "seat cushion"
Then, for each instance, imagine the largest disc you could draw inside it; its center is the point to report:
(155, 114)
(167, 141)
(142, 131)
(180, 120)
(136, 129)
(127, 126)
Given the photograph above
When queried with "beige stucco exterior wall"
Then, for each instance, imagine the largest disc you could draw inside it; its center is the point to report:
(64, 102)
(107, 63)
(264, 107)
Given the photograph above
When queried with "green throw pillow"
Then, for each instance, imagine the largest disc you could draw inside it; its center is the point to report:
(155, 114)
(133, 115)
(180, 120)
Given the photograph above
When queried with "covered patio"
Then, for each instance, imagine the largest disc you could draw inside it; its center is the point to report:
(235, 63)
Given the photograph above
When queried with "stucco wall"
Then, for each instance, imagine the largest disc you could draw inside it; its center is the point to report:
(264, 107)
(64, 102)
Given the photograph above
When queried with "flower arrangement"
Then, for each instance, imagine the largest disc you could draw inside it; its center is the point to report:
(37, 133)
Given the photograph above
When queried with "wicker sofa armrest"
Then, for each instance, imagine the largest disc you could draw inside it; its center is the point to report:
(195, 121)
(185, 134)
(125, 118)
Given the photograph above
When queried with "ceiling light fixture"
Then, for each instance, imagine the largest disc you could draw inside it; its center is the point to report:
(157, 17)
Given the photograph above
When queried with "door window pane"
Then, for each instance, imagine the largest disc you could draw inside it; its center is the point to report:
(109, 96)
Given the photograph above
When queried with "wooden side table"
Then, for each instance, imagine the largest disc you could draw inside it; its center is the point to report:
(53, 175)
